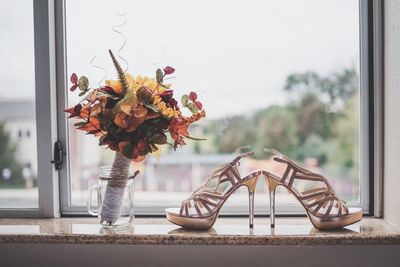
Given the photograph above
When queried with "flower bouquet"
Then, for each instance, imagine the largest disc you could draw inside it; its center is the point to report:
(132, 116)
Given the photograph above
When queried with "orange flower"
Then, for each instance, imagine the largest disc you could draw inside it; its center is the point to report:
(179, 127)
(137, 116)
(93, 125)
(115, 85)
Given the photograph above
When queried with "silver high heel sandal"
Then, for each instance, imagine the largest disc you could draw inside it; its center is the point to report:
(201, 209)
(324, 209)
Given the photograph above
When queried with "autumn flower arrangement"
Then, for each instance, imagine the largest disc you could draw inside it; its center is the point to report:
(133, 116)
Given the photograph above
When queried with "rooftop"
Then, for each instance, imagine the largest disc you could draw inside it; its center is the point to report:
(17, 109)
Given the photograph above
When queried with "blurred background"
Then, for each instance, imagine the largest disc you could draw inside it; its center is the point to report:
(281, 74)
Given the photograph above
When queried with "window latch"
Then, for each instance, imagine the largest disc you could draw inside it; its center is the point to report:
(58, 155)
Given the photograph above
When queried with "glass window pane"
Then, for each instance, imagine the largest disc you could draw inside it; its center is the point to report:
(18, 159)
(268, 76)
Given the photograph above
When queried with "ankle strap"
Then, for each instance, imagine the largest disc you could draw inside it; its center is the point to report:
(243, 155)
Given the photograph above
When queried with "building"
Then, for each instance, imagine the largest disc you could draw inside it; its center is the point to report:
(18, 116)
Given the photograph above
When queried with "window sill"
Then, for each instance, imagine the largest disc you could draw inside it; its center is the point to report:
(226, 231)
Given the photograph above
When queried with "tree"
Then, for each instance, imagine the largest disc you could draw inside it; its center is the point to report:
(276, 128)
(231, 133)
(346, 137)
(319, 122)
(312, 117)
(8, 158)
(335, 89)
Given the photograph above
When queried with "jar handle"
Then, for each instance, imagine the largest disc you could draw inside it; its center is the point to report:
(91, 210)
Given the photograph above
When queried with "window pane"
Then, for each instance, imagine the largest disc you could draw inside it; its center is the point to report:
(18, 159)
(268, 76)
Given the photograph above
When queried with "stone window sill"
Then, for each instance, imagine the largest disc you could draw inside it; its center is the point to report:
(226, 231)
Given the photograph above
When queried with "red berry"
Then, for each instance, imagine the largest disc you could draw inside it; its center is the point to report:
(199, 105)
(73, 87)
(74, 78)
(193, 96)
(169, 70)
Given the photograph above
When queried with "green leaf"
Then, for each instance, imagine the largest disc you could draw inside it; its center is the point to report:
(127, 151)
(159, 76)
(110, 103)
(144, 96)
(102, 93)
(143, 153)
(192, 107)
(153, 147)
(130, 98)
(106, 122)
(158, 139)
(152, 107)
(82, 93)
(83, 83)
(78, 124)
(185, 100)
(195, 138)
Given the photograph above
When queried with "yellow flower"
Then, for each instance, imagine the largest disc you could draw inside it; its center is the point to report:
(115, 85)
(162, 106)
(139, 81)
(169, 112)
(156, 100)
(135, 83)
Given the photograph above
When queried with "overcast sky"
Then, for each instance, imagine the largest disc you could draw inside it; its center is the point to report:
(235, 54)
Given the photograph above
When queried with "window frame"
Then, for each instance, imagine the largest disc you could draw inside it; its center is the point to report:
(46, 119)
(238, 209)
(51, 83)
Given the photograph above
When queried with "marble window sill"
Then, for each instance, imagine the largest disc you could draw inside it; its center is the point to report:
(226, 231)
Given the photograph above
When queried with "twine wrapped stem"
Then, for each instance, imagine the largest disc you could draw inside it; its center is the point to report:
(112, 203)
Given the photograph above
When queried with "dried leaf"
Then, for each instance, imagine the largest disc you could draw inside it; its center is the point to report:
(73, 87)
(126, 149)
(82, 93)
(185, 100)
(144, 96)
(74, 78)
(83, 83)
(195, 138)
(193, 96)
(159, 76)
(158, 139)
(81, 123)
(169, 70)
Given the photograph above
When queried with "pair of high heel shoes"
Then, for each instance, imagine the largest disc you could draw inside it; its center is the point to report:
(324, 209)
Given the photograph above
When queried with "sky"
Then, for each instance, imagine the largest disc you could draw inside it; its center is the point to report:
(235, 54)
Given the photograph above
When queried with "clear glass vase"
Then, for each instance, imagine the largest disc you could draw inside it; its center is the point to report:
(115, 199)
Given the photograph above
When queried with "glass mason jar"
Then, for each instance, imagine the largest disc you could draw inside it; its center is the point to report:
(115, 206)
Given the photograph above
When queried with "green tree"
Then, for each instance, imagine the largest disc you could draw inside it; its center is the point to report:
(346, 138)
(231, 133)
(319, 122)
(8, 159)
(312, 117)
(335, 89)
(276, 128)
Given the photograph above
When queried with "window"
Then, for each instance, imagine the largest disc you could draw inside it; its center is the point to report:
(269, 76)
(283, 74)
(18, 183)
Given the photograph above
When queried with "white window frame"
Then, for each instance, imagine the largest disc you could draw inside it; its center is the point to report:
(51, 83)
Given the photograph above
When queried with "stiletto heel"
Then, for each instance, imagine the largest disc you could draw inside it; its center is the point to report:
(324, 209)
(272, 184)
(251, 186)
(201, 209)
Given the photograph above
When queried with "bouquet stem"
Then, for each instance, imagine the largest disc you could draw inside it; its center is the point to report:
(112, 203)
